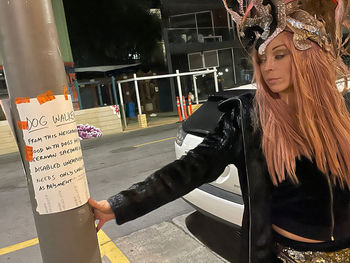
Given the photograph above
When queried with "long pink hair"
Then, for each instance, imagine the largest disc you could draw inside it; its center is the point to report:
(319, 126)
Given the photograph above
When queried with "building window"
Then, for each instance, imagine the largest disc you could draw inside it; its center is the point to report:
(234, 68)
(195, 61)
(200, 27)
(211, 58)
(226, 70)
(202, 60)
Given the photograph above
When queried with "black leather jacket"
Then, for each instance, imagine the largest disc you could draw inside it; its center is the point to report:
(233, 141)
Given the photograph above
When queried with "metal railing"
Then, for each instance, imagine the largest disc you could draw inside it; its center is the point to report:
(135, 79)
(176, 75)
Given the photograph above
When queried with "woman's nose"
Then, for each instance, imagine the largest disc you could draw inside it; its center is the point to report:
(269, 64)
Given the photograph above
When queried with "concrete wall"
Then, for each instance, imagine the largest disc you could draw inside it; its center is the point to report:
(8, 143)
(102, 118)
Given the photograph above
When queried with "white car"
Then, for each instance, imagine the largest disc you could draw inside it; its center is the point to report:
(222, 198)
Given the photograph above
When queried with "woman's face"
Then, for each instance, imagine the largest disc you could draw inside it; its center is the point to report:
(276, 66)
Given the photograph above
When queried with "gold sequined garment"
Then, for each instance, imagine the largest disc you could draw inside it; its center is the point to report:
(289, 255)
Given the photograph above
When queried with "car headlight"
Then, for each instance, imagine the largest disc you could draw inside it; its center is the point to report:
(181, 135)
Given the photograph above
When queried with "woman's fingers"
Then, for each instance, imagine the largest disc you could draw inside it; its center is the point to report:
(101, 205)
(100, 224)
(102, 212)
(93, 203)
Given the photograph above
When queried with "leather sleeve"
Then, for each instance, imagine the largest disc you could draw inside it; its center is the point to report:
(201, 165)
(256, 235)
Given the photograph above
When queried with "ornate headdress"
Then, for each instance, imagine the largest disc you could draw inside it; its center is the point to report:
(320, 21)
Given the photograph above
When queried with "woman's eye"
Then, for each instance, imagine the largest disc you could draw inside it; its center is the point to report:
(279, 56)
(261, 60)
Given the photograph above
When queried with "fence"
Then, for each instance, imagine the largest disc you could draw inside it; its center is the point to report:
(176, 75)
(120, 100)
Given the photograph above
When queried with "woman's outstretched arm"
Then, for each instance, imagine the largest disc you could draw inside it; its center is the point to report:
(201, 165)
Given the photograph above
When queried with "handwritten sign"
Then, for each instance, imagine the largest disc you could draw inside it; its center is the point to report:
(54, 154)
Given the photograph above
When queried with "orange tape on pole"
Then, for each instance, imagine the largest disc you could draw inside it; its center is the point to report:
(20, 100)
(22, 125)
(28, 151)
(178, 108)
(45, 97)
(65, 92)
(184, 104)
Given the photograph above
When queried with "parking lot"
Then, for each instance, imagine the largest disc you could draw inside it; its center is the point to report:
(172, 233)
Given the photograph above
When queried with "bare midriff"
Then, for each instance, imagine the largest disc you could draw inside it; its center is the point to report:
(292, 236)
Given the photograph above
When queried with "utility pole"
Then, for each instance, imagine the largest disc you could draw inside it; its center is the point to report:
(45, 130)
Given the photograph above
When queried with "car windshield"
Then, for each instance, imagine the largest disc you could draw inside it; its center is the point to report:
(206, 118)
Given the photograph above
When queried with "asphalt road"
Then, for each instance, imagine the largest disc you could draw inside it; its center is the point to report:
(113, 163)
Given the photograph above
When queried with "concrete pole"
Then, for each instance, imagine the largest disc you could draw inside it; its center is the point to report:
(77, 88)
(122, 103)
(180, 93)
(33, 65)
(169, 60)
(216, 80)
(137, 95)
(115, 96)
(100, 101)
(233, 66)
(195, 88)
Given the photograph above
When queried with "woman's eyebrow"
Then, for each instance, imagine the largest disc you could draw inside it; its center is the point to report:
(279, 46)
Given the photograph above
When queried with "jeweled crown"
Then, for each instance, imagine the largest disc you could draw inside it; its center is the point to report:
(319, 21)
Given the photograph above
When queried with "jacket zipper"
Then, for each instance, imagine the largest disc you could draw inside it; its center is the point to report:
(248, 186)
(331, 208)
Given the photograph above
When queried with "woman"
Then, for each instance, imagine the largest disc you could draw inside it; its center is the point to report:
(290, 144)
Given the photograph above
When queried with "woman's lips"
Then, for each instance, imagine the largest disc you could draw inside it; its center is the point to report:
(272, 80)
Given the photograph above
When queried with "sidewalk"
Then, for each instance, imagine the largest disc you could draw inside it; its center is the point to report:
(161, 118)
(169, 242)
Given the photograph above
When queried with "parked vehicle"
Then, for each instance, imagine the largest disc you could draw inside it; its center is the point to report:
(221, 199)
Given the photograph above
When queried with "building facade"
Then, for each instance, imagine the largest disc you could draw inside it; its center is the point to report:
(199, 34)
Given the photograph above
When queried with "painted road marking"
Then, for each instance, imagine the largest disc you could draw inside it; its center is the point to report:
(19, 246)
(107, 247)
(171, 138)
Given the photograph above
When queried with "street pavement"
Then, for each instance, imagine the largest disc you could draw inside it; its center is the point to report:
(113, 163)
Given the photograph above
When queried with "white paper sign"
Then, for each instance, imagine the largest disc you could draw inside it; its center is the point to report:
(56, 161)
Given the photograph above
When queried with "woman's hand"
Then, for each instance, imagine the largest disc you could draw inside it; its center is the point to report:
(102, 211)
